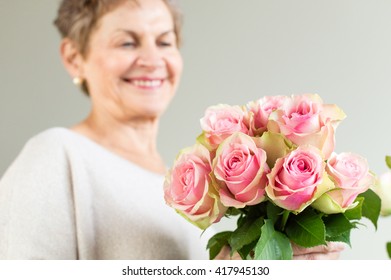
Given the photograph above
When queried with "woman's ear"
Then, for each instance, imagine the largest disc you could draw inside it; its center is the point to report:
(71, 58)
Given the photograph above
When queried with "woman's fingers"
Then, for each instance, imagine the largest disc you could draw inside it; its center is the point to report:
(225, 254)
(315, 256)
(331, 251)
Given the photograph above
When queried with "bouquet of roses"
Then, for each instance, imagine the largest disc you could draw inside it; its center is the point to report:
(383, 189)
(271, 163)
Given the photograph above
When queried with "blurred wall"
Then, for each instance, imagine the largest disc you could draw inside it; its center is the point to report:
(234, 51)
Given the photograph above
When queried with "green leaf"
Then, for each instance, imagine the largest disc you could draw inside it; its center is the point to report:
(371, 206)
(247, 233)
(273, 212)
(217, 242)
(273, 245)
(245, 251)
(344, 237)
(388, 161)
(356, 212)
(336, 224)
(306, 229)
(389, 249)
(241, 220)
(231, 211)
(338, 228)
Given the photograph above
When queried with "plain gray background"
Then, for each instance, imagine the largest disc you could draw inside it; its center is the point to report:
(234, 51)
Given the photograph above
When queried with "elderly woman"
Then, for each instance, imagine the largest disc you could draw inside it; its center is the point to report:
(94, 191)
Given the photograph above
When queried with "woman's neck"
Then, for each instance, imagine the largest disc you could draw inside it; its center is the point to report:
(133, 139)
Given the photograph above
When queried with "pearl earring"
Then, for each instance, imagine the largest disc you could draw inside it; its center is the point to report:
(77, 81)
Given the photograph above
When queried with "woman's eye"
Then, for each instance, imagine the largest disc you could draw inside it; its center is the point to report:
(165, 44)
(128, 44)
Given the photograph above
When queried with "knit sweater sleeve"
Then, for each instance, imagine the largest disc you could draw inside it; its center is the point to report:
(36, 205)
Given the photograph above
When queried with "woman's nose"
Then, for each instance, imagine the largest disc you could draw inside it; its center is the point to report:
(150, 57)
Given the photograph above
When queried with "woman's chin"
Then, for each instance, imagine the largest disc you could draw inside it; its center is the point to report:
(151, 112)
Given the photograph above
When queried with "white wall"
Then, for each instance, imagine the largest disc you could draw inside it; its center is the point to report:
(234, 51)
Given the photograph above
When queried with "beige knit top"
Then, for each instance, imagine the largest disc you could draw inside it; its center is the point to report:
(66, 197)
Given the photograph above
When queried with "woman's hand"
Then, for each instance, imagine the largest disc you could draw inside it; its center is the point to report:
(331, 251)
(225, 254)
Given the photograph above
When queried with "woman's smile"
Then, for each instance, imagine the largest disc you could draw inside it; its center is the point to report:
(146, 83)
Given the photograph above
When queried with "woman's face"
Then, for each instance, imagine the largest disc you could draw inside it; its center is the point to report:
(133, 64)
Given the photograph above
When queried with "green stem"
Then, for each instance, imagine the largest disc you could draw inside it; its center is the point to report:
(285, 216)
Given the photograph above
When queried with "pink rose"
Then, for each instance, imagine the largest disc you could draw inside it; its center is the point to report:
(351, 175)
(260, 111)
(297, 179)
(188, 188)
(305, 120)
(383, 190)
(240, 169)
(221, 121)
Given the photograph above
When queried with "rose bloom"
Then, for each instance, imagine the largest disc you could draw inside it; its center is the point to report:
(188, 188)
(351, 175)
(275, 145)
(304, 119)
(221, 121)
(260, 111)
(383, 190)
(298, 179)
(240, 170)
